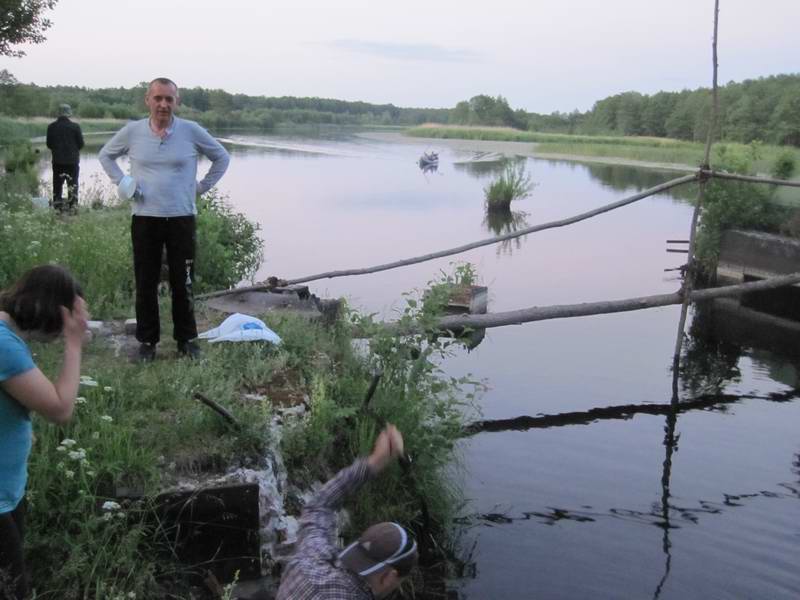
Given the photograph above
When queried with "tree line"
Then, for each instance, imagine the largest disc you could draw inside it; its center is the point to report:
(765, 109)
(212, 107)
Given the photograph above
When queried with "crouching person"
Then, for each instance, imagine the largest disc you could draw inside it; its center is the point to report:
(371, 567)
(45, 303)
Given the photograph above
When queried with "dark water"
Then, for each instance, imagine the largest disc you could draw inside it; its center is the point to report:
(618, 503)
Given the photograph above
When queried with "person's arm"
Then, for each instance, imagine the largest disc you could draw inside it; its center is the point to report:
(50, 136)
(318, 520)
(213, 150)
(55, 401)
(79, 136)
(114, 148)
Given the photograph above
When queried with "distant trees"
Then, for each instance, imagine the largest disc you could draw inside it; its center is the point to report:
(765, 109)
(21, 22)
(486, 110)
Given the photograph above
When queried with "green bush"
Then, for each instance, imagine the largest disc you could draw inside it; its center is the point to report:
(734, 205)
(96, 247)
(230, 249)
(784, 165)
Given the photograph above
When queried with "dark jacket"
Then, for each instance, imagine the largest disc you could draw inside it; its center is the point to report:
(64, 138)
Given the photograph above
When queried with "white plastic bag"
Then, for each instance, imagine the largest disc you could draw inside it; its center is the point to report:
(126, 189)
(240, 328)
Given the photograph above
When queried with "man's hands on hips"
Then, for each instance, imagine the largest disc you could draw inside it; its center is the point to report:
(388, 447)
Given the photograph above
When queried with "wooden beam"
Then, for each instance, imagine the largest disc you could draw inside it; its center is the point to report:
(471, 246)
(748, 178)
(565, 311)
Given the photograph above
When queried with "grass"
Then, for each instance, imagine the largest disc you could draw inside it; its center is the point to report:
(513, 184)
(635, 148)
(138, 427)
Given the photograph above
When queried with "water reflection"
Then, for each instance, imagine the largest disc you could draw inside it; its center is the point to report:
(670, 447)
(428, 167)
(709, 362)
(500, 222)
(487, 164)
(709, 402)
(623, 178)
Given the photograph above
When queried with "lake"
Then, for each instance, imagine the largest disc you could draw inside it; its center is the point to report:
(616, 503)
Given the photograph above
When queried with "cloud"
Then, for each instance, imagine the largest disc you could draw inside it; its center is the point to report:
(427, 52)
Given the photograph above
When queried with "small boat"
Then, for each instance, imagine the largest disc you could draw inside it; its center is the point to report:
(428, 158)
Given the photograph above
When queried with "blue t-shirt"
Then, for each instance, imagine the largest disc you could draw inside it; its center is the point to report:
(15, 422)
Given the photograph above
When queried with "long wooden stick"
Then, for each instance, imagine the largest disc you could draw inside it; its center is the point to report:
(564, 311)
(471, 246)
(689, 274)
(748, 178)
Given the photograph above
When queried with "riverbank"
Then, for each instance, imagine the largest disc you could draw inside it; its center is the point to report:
(95, 524)
(139, 432)
(647, 152)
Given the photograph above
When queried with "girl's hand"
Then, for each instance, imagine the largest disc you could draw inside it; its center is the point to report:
(75, 321)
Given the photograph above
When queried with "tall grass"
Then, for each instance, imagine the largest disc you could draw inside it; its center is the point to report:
(513, 184)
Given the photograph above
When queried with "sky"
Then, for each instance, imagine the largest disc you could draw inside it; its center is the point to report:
(542, 55)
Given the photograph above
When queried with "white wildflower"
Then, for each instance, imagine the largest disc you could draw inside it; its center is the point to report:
(69, 474)
(110, 505)
(61, 449)
(68, 442)
(108, 388)
(108, 516)
(78, 454)
(90, 473)
(95, 435)
(107, 418)
(80, 400)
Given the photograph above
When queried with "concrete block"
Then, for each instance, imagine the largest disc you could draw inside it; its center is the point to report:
(130, 326)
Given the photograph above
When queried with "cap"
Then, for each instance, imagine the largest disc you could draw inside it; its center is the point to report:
(64, 110)
(382, 545)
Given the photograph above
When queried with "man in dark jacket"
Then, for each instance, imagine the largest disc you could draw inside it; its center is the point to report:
(65, 140)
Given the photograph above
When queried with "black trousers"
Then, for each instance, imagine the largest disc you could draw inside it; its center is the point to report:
(68, 174)
(13, 577)
(150, 235)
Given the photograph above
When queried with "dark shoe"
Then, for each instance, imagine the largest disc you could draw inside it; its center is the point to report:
(147, 352)
(189, 349)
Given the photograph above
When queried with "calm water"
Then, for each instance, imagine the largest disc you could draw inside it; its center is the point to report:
(620, 505)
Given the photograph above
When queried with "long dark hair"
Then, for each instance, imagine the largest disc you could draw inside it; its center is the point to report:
(35, 301)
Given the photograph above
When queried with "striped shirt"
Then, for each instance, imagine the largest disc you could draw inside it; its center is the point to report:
(313, 572)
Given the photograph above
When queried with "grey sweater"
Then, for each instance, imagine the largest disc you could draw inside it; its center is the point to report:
(165, 169)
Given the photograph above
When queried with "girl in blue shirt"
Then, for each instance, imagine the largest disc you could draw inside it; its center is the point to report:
(45, 303)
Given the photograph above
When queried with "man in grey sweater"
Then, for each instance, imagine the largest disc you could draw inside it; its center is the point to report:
(163, 152)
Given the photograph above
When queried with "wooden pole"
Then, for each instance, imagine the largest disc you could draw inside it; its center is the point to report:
(748, 178)
(471, 246)
(564, 311)
(689, 274)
